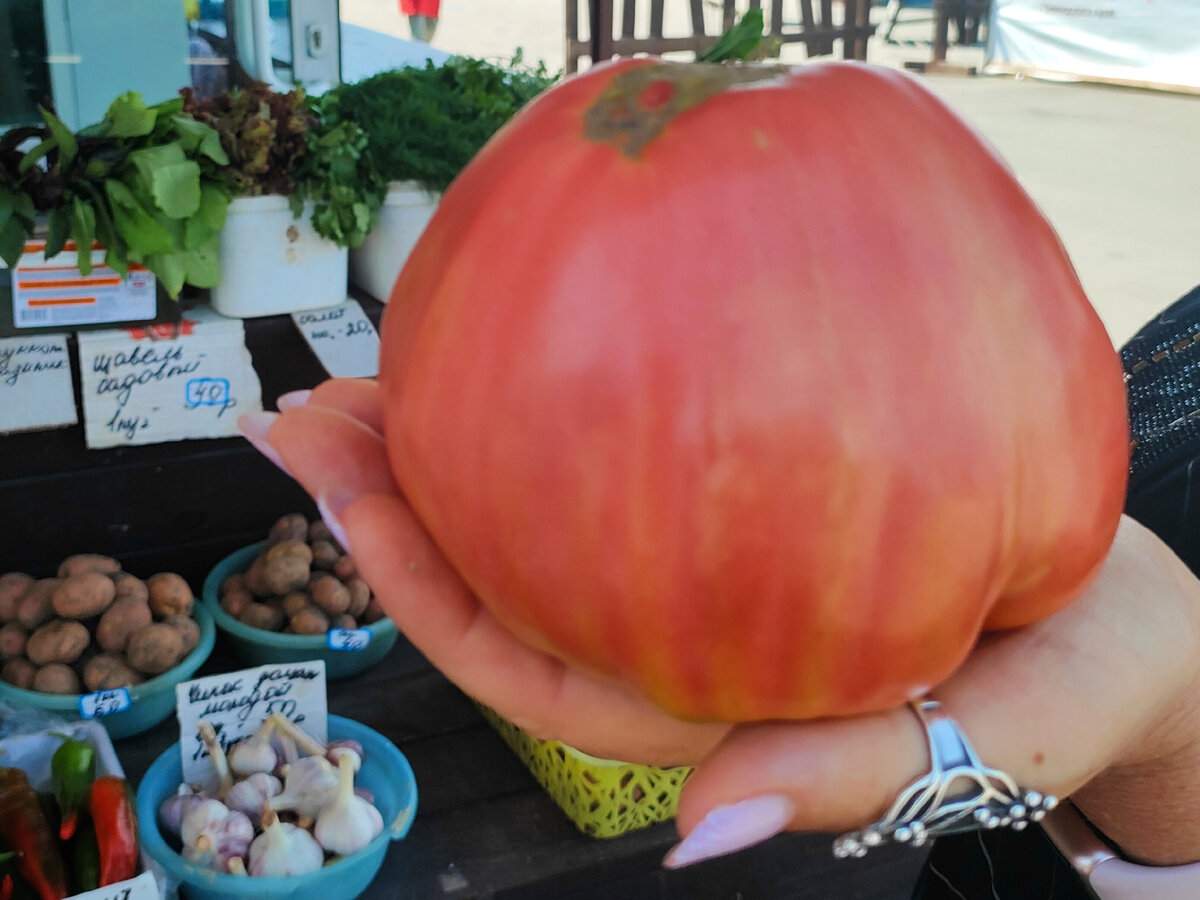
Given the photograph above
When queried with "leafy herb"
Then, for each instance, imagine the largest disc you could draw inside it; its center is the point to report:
(425, 124)
(278, 144)
(142, 182)
(740, 42)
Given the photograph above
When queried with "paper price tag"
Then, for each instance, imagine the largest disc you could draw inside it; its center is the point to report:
(236, 703)
(35, 383)
(104, 703)
(151, 385)
(144, 887)
(348, 638)
(343, 338)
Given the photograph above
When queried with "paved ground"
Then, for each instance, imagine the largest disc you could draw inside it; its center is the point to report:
(1114, 169)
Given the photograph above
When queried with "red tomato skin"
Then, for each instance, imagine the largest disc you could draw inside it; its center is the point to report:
(770, 419)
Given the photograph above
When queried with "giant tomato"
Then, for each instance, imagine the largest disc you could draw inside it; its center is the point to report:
(764, 391)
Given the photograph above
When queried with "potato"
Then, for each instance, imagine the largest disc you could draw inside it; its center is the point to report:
(234, 601)
(319, 531)
(360, 596)
(19, 672)
(259, 615)
(120, 621)
(13, 586)
(188, 630)
(82, 563)
(325, 555)
(329, 594)
(154, 648)
(84, 596)
(233, 583)
(59, 640)
(309, 620)
(285, 567)
(12, 640)
(346, 568)
(106, 671)
(129, 586)
(294, 602)
(37, 605)
(170, 595)
(56, 678)
(343, 620)
(373, 613)
(292, 527)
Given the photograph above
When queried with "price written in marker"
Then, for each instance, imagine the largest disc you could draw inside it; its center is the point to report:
(104, 703)
(144, 887)
(343, 339)
(348, 638)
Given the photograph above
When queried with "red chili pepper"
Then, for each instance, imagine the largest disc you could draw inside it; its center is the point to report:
(110, 804)
(6, 888)
(23, 827)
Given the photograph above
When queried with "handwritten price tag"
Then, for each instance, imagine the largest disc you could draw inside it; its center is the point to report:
(35, 383)
(236, 703)
(343, 338)
(144, 386)
(103, 703)
(348, 638)
(144, 887)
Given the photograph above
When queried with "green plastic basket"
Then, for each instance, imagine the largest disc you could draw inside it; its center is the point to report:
(604, 798)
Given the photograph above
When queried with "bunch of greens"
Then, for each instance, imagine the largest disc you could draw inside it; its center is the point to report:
(425, 124)
(277, 143)
(143, 182)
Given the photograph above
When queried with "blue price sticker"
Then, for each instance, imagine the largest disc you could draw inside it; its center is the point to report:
(207, 392)
(104, 703)
(348, 638)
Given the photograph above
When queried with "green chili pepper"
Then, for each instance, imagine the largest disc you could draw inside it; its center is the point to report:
(85, 859)
(72, 771)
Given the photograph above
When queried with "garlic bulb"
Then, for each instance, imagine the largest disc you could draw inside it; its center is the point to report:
(337, 749)
(171, 811)
(255, 753)
(216, 753)
(284, 849)
(349, 823)
(310, 785)
(213, 834)
(250, 795)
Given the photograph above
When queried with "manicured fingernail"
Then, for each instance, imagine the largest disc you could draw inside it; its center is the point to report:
(254, 426)
(735, 827)
(330, 505)
(292, 399)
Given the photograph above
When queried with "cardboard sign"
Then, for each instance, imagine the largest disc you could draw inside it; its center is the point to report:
(53, 291)
(343, 338)
(35, 383)
(236, 703)
(144, 887)
(150, 385)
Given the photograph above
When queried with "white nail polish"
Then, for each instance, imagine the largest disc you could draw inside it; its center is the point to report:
(737, 826)
(329, 517)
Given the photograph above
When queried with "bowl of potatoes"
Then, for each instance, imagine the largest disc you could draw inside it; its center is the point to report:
(297, 596)
(95, 640)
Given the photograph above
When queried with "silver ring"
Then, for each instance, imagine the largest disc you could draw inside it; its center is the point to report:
(959, 794)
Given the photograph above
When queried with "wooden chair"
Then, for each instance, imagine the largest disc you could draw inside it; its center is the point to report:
(816, 28)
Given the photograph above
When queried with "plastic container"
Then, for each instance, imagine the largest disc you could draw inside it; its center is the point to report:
(257, 647)
(376, 264)
(273, 263)
(385, 772)
(604, 798)
(150, 702)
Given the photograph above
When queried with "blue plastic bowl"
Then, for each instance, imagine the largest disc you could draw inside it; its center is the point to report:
(259, 647)
(385, 773)
(150, 702)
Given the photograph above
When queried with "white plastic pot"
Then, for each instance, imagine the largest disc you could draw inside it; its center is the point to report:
(273, 263)
(406, 210)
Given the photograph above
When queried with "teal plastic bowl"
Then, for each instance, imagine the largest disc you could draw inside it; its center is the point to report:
(385, 773)
(259, 647)
(149, 702)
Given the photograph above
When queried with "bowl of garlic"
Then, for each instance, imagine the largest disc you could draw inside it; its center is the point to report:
(288, 816)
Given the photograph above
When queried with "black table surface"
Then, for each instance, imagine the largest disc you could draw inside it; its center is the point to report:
(484, 827)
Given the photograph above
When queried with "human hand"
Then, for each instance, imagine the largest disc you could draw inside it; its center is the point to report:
(1097, 695)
